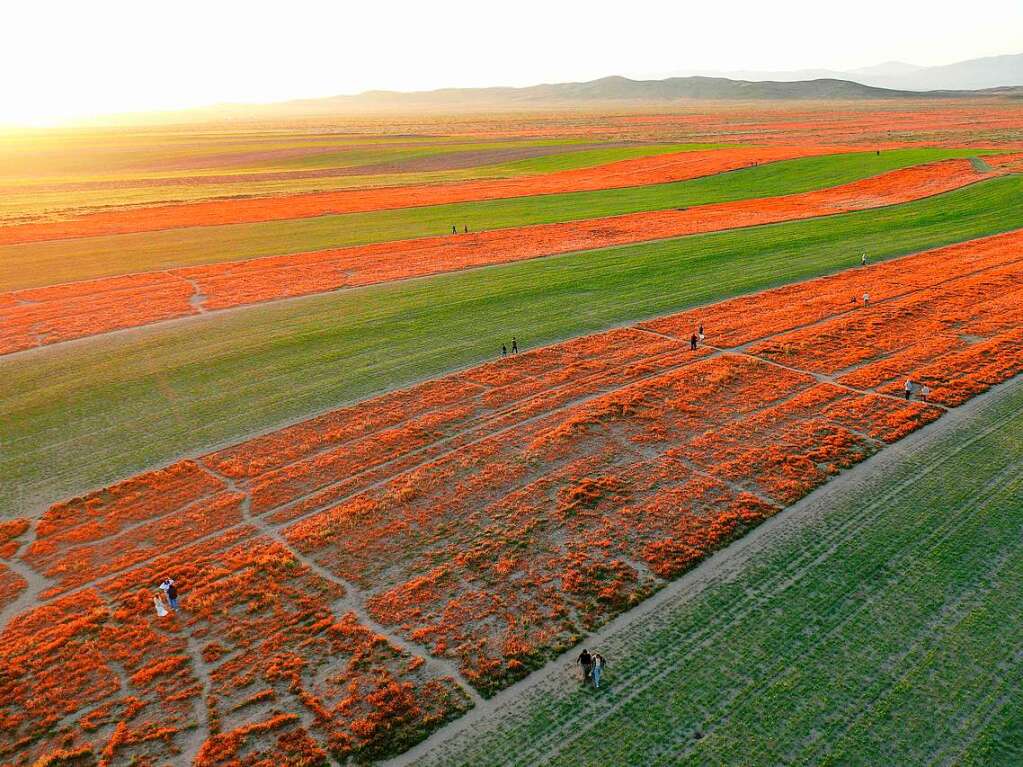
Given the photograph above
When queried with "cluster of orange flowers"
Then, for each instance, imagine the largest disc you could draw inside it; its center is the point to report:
(490, 517)
(957, 338)
(50, 315)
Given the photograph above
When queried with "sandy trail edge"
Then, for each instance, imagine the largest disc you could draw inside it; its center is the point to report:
(732, 556)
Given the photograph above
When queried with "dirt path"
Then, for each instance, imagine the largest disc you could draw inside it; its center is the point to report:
(720, 565)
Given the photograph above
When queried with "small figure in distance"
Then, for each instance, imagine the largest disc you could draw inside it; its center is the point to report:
(909, 388)
(863, 260)
(692, 342)
(585, 661)
(504, 350)
(515, 346)
(878, 152)
(454, 229)
(700, 331)
(852, 300)
(598, 669)
(465, 228)
(925, 392)
(866, 298)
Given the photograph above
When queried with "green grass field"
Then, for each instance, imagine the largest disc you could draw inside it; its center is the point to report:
(884, 628)
(78, 415)
(35, 264)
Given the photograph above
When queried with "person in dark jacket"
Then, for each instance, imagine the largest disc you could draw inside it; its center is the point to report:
(171, 591)
(585, 661)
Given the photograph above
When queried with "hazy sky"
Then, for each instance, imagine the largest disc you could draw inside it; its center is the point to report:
(74, 58)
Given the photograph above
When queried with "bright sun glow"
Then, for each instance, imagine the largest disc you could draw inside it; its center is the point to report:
(69, 60)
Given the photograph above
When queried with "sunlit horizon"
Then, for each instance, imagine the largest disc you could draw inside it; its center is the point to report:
(119, 59)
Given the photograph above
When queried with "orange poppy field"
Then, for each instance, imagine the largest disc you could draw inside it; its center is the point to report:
(374, 570)
(358, 577)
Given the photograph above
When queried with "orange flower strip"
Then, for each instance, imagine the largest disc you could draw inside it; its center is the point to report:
(42, 316)
(488, 518)
(625, 173)
(82, 677)
(869, 127)
(49, 315)
(748, 318)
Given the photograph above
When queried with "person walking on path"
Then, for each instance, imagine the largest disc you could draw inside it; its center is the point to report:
(585, 661)
(515, 346)
(909, 388)
(465, 228)
(171, 591)
(863, 260)
(454, 229)
(504, 350)
(700, 331)
(925, 392)
(692, 342)
(598, 669)
(866, 298)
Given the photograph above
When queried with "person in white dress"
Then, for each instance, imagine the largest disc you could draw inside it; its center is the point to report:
(161, 610)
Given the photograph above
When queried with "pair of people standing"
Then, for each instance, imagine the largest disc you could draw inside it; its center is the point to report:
(592, 666)
(696, 337)
(909, 387)
(515, 347)
(170, 591)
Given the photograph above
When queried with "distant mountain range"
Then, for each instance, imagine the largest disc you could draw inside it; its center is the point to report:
(973, 74)
(992, 77)
(607, 90)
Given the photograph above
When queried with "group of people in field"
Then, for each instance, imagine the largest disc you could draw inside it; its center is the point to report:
(592, 665)
(514, 347)
(465, 229)
(166, 598)
(912, 386)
